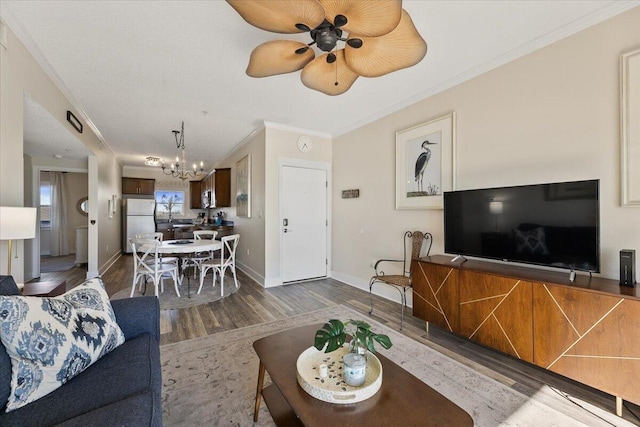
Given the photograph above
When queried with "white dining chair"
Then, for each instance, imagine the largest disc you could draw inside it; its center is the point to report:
(198, 258)
(227, 260)
(147, 264)
(157, 236)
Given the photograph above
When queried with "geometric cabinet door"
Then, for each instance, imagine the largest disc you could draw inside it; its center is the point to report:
(589, 337)
(496, 311)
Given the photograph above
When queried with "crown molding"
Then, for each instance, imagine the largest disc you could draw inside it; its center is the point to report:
(551, 37)
(279, 126)
(23, 35)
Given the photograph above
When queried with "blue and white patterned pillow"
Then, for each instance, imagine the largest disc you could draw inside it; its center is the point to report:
(51, 340)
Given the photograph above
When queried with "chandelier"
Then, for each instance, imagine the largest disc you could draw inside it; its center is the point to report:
(179, 168)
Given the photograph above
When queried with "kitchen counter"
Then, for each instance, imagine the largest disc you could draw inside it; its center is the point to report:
(184, 230)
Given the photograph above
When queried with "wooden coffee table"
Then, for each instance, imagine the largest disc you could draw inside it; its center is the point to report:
(403, 400)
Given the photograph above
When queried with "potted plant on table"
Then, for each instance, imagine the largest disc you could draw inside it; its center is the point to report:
(333, 335)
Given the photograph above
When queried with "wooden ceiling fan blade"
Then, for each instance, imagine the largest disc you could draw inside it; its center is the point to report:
(278, 57)
(401, 48)
(322, 76)
(371, 18)
(280, 16)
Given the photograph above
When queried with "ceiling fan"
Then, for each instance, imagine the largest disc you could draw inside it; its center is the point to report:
(380, 38)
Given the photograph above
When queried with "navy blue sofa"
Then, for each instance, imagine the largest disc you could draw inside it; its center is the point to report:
(123, 388)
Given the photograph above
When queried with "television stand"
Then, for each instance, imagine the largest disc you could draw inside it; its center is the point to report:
(583, 329)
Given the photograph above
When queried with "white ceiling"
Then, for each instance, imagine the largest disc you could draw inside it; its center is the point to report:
(44, 136)
(136, 69)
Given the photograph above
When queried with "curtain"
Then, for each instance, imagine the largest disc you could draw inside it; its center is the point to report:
(59, 243)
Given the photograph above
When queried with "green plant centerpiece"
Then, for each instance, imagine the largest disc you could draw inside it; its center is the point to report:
(333, 335)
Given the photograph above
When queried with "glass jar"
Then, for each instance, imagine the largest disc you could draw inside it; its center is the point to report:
(355, 366)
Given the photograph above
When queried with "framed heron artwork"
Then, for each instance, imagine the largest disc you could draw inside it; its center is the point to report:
(425, 163)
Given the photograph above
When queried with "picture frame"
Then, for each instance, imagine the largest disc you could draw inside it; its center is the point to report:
(74, 121)
(243, 187)
(425, 163)
(630, 127)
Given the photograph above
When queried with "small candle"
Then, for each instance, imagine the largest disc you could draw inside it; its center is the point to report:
(323, 370)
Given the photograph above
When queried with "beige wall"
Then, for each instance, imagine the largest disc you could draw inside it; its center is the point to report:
(552, 115)
(281, 146)
(250, 255)
(259, 251)
(20, 74)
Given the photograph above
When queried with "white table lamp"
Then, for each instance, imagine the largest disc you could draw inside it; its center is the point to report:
(16, 223)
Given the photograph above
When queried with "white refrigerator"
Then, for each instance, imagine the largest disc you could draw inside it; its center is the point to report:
(138, 218)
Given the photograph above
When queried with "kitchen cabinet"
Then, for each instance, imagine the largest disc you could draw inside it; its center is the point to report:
(167, 230)
(140, 186)
(195, 194)
(221, 192)
(219, 184)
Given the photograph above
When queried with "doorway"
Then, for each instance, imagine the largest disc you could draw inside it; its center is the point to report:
(303, 223)
(49, 146)
(63, 220)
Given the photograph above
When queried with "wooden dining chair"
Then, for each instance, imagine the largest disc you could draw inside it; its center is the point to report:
(147, 264)
(415, 241)
(227, 260)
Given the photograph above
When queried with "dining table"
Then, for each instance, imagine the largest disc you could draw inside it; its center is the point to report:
(186, 248)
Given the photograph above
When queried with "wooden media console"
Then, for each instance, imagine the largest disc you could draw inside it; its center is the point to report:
(586, 330)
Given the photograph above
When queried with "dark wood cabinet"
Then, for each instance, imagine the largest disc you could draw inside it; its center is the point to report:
(195, 194)
(584, 330)
(219, 186)
(221, 192)
(139, 186)
(167, 230)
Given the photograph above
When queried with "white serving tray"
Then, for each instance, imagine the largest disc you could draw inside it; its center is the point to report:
(332, 388)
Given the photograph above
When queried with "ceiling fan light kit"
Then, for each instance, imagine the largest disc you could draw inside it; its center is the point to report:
(379, 38)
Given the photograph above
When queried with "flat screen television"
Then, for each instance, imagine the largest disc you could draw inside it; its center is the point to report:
(554, 225)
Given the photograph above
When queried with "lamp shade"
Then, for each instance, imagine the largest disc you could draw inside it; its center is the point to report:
(17, 223)
(496, 208)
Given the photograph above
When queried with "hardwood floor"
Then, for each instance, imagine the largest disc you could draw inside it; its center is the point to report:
(253, 304)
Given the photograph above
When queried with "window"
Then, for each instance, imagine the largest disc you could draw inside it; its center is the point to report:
(45, 204)
(173, 200)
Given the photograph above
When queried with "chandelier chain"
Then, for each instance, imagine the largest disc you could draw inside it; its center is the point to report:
(179, 168)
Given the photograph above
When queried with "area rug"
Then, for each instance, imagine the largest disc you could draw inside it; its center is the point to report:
(170, 301)
(212, 380)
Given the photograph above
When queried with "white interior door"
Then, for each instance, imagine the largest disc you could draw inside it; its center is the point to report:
(303, 223)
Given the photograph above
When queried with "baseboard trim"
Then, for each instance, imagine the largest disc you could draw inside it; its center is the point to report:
(254, 275)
